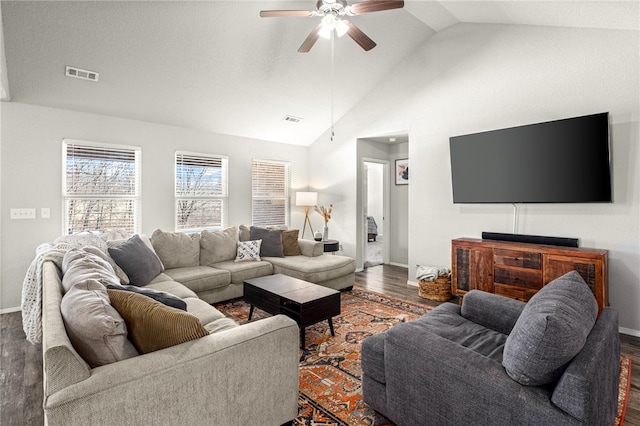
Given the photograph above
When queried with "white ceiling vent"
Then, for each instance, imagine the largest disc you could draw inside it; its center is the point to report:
(292, 119)
(81, 74)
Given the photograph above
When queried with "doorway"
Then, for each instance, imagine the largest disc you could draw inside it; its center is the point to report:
(375, 180)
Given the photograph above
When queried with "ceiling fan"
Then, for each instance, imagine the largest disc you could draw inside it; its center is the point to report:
(332, 13)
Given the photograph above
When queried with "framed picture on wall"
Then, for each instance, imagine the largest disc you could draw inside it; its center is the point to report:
(402, 172)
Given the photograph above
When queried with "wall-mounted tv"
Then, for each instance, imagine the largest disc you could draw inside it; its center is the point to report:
(562, 161)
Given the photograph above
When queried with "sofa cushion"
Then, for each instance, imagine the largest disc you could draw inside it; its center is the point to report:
(79, 265)
(176, 249)
(122, 276)
(241, 271)
(218, 246)
(200, 278)
(248, 251)
(153, 326)
(221, 324)
(170, 286)
(161, 296)
(137, 260)
(271, 241)
(96, 330)
(202, 310)
(551, 330)
(314, 269)
(290, 246)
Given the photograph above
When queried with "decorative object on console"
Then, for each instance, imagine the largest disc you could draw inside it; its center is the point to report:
(317, 236)
(402, 172)
(306, 200)
(326, 215)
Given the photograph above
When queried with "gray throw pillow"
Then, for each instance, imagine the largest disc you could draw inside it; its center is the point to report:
(551, 330)
(137, 260)
(161, 296)
(176, 249)
(271, 241)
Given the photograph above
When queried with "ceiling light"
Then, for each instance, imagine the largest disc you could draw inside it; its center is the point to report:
(328, 24)
(341, 27)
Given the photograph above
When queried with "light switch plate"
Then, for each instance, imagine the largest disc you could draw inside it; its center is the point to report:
(23, 213)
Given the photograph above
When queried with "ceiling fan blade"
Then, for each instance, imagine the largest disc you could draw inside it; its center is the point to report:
(310, 40)
(360, 37)
(374, 6)
(278, 13)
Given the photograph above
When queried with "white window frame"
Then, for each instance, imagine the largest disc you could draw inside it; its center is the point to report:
(222, 197)
(67, 197)
(286, 197)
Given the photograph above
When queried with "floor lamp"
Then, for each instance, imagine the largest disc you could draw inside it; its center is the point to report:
(306, 200)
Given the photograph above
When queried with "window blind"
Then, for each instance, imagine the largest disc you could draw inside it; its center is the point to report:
(270, 189)
(101, 187)
(201, 191)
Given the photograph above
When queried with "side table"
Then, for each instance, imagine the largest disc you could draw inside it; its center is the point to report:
(331, 246)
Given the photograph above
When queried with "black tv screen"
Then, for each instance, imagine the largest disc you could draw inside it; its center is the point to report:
(562, 161)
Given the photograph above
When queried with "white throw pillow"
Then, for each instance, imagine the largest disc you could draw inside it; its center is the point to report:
(248, 251)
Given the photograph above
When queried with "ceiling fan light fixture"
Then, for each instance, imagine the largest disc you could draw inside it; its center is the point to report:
(341, 27)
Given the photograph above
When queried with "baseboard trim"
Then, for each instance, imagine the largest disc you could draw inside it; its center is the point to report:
(10, 310)
(401, 265)
(629, 331)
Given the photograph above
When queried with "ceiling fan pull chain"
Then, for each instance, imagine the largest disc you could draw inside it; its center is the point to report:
(333, 38)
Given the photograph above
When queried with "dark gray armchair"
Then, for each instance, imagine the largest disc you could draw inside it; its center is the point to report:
(466, 365)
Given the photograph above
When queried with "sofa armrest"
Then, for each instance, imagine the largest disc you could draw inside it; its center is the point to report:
(245, 375)
(311, 248)
(493, 311)
(430, 377)
(593, 375)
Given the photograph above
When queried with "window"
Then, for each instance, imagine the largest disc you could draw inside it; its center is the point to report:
(201, 191)
(101, 187)
(270, 182)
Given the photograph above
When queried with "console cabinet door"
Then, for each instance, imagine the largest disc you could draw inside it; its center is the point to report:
(591, 270)
(473, 269)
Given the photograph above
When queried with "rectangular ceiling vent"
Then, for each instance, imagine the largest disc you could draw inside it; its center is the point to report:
(292, 119)
(81, 74)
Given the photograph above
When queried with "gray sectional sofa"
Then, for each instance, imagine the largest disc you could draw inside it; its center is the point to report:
(108, 361)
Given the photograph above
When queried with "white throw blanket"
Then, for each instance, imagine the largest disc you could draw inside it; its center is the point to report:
(430, 273)
(32, 284)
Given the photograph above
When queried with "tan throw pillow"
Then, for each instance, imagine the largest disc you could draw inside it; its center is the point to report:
(290, 245)
(153, 326)
(244, 233)
(96, 330)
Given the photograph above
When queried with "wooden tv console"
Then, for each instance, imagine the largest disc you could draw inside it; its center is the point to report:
(519, 270)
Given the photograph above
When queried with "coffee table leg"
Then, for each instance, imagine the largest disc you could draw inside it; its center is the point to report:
(250, 312)
(331, 326)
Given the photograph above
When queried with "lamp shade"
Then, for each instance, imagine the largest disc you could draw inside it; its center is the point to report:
(306, 198)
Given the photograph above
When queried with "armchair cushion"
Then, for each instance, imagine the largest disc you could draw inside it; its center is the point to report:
(493, 311)
(551, 330)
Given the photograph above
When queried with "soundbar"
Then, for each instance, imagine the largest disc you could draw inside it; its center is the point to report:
(533, 239)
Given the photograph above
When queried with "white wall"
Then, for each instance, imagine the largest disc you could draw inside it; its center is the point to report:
(31, 175)
(470, 78)
(375, 192)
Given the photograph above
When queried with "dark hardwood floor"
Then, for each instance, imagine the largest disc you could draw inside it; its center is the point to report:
(21, 362)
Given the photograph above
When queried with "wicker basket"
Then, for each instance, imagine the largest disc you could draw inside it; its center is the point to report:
(438, 290)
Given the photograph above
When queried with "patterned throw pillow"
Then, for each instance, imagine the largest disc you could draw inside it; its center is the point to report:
(248, 251)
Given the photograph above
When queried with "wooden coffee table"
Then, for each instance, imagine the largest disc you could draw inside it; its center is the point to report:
(306, 303)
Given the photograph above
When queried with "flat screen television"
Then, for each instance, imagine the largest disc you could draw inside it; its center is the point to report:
(562, 161)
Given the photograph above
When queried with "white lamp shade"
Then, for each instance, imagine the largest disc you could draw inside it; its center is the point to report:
(306, 198)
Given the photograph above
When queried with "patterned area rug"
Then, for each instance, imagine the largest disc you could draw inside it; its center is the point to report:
(330, 373)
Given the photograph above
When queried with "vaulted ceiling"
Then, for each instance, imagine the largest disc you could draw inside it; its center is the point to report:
(217, 66)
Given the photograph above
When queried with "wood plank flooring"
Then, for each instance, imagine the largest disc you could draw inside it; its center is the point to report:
(21, 362)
